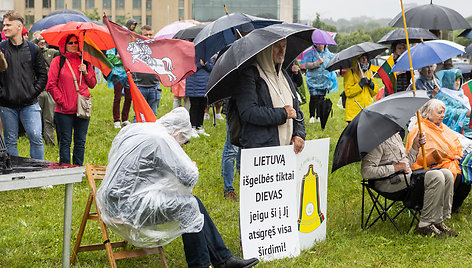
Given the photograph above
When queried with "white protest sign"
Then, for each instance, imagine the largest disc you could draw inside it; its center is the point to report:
(276, 187)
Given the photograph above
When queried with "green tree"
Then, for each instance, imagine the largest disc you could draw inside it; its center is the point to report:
(378, 33)
(317, 23)
(93, 15)
(346, 40)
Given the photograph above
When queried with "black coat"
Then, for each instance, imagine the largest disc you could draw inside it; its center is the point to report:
(24, 79)
(259, 118)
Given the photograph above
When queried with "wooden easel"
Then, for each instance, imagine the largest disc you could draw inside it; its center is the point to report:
(97, 173)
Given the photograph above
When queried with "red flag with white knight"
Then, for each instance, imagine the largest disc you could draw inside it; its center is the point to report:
(170, 59)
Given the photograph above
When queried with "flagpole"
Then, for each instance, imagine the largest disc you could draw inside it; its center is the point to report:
(413, 83)
(82, 57)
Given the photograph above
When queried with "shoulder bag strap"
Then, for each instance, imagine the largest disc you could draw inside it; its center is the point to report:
(73, 75)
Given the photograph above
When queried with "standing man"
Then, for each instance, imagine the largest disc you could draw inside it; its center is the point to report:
(148, 84)
(267, 103)
(20, 84)
(45, 100)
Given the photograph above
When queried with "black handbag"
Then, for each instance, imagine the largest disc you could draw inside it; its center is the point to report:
(415, 190)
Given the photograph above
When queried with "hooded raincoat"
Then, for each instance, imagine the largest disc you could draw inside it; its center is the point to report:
(441, 146)
(356, 92)
(61, 82)
(318, 79)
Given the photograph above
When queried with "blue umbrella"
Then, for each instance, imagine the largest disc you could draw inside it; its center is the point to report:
(220, 33)
(466, 33)
(49, 21)
(428, 53)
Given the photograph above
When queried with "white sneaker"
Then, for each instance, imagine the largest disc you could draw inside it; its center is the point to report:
(117, 124)
(219, 117)
(194, 133)
(317, 120)
(125, 123)
(46, 187)
(312, 120)
(201, 131)
(206, 116)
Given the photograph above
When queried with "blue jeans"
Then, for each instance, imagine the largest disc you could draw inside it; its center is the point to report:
(230, 153)
(65, 124)
(207, 246)
(152, 95)
(30, 117)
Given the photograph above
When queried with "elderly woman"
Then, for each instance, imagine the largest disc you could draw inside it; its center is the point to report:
(359, 87)
(442, 149)
(389, 157)
(427, 81)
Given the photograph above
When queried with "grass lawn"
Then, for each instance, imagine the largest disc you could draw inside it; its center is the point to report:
(31, 220)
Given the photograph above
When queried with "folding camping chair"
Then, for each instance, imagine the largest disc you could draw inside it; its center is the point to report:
(384, 203)
(97, 173)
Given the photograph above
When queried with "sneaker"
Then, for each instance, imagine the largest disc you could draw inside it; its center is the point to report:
(429, 230)
(317, 120)
(206, 116)
(194, 133)
(117, 124)
(312, 120)
(446, 230)
(219, 117)
(125, 123)
(201, 131)
(231, 195)
(46, 187)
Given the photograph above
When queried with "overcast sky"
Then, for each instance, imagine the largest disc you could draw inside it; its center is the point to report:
(376, 9)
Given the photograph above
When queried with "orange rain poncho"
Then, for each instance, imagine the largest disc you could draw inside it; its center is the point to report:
(442, 145)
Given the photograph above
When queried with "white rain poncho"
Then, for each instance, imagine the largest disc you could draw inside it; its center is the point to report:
(145, 196)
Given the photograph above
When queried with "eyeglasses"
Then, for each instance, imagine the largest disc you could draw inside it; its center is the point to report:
(73, 43)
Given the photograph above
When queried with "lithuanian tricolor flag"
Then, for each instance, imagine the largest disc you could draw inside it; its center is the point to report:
(95, 56)
(388, 78)
(467, 88)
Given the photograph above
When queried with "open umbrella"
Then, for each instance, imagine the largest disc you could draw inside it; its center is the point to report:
(189, 33)
(222, 32)
(170, 30)
(242, 53)
(431, 16)
(466, 33)
(344, 58)
(321, 37)
(65, 11)
(468, 50)
(374, 124)
(48, 22)
(428, 53)
(415, 35)
(97, 33)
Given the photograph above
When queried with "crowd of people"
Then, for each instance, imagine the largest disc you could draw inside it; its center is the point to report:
(40, 86)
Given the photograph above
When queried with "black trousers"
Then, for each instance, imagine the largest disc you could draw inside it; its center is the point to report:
(197, 111)
(314, 106)
(461, 191)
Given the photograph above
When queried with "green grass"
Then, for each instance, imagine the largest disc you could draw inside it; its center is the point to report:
(31, 220)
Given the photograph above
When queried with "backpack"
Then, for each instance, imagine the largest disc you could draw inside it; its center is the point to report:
(31, 46)
(234, 122)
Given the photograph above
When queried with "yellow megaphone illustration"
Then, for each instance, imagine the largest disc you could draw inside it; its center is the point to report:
(311, 216)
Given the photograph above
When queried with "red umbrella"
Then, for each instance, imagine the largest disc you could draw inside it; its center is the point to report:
(99, 34)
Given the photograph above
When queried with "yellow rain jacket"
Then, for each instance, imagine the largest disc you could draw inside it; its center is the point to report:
(442, 145)
(354, 92)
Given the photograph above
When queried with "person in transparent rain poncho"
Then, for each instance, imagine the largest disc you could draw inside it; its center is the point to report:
(146, 194)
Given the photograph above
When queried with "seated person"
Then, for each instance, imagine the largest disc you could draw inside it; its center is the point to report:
(457, 114)
(146, 195)
(389, 157)
(442, 149)
(427, 81)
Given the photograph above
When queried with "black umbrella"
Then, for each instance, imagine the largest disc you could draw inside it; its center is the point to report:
(344, 58)
(376, 123)
(220, 33)
(467, 33)
(242, 53)
(189, 33)
(431, 16)
(415, 35)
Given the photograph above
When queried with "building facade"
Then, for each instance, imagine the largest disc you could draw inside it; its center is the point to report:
(156, 13)
(159, 13)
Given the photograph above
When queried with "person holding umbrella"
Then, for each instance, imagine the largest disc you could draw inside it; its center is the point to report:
(64, 85)
(359, 86)
(403, 78)
(317, 77)
(267, 104)
(427, 81)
